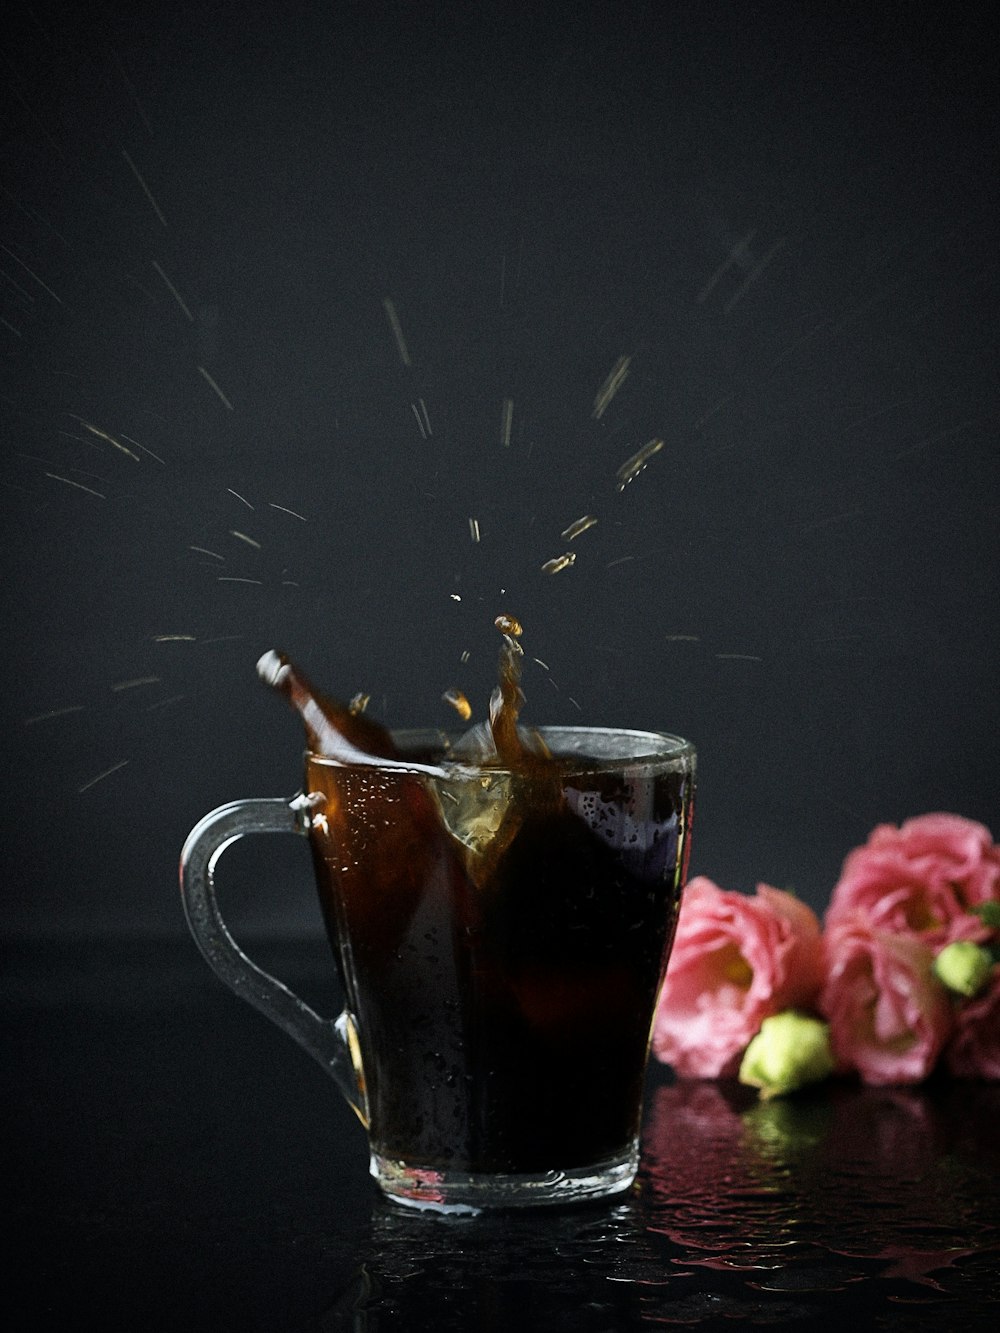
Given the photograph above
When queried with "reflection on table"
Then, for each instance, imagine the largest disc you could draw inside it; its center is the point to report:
(175, 1163)
(875, 1204)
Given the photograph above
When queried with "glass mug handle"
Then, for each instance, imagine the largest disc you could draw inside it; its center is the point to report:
(332, 1043)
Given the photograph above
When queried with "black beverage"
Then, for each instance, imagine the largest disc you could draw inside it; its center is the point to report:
(502, 921)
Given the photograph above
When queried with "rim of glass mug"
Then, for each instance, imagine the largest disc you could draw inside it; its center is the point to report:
(598, 749)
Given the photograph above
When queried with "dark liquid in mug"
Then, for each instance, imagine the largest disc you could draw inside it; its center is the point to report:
(502, 934)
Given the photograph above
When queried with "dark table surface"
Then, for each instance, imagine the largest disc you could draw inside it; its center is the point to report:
(176, 1163)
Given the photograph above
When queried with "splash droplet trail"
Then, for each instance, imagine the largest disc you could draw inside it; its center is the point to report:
(631, 468)
(173, 291)
(616, 377)
(134, 684)
(212, 385)
(146, 190)
(79, 487)
(101, 776)
(397, 330)
(581, 525)
(506, 421)
(459, 702)
(559, 563)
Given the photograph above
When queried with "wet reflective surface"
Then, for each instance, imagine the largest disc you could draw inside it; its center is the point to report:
(175, 1166)
(877, 1205)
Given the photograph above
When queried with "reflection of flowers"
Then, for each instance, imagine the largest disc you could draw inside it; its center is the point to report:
(736, 961)
(906, 972)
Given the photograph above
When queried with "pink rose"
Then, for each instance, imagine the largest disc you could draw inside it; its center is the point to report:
(889, 1015)
(736, 960)
(974, 1050)
(921, 879)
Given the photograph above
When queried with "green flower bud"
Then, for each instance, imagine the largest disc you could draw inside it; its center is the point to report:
(789, 1051)
(963, 967)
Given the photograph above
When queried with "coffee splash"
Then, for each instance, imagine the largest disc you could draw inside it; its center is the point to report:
(336, 731)
(345, 734)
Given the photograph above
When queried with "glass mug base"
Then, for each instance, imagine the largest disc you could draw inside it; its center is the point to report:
(474, 1192)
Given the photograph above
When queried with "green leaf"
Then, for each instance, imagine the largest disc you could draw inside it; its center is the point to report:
(989, 914)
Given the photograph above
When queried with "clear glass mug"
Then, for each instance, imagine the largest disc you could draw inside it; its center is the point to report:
(501, 938)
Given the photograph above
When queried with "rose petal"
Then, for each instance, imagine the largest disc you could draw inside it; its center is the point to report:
(889, 1016)
(974, 1050)
(921, 879)
(736, 960)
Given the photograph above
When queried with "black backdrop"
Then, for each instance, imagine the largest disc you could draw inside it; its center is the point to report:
(342, 278)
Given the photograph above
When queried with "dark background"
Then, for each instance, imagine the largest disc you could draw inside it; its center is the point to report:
(784, 215)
